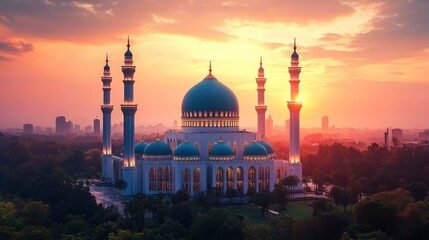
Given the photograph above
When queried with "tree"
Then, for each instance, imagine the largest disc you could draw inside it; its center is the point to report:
(418, 190)
(230, 193)
(184, 213)
(262, 200)
(342, 196)
(135, 210)
(121, 184)
(179, 197)
(217, 223)
(280, 195)
(36, 213)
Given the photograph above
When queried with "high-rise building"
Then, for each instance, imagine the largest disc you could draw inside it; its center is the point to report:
(76, 128)
(397, 133)
(97, 127)
(269, 124)
(88, 129)
(325, 123)
(69, 127)
(28, 128)
(61, 125)
(261, 108)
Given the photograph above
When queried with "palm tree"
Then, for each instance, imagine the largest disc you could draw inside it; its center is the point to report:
(305, 180)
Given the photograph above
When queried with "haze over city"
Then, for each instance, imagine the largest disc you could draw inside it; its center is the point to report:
(364, 62)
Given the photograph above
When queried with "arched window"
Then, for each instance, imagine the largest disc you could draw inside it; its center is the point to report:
(261, 178)
(185, 180)
(219, 179)
(239, 180)
(267, 179)
(167, 178)
(230, 178)
(197, 180)
(152, 179)
(160, 179)
(278, 175)
(251, 177)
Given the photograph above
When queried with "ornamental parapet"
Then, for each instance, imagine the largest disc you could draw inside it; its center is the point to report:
(221, 158)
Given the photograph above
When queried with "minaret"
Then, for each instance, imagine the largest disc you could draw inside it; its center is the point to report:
(261, 108)
(294, 106)
(107, 109)
(128, 108)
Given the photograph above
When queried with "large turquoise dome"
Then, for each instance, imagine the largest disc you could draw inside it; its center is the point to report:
(221, 149)
(186, 149)
(140, 147)
(157, 148)
(255, 149)
(210, 95)
(267, 146)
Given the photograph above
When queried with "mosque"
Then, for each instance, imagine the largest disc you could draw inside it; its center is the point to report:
(210, 150)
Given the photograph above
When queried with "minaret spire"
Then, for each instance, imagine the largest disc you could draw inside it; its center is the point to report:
(294, 44)
(128, 44)
(107, 109)
(210, 70)
(129, 108)
(260, 107)
(294, 106)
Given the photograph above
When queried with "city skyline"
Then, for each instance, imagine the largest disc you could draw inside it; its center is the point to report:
(364, 62)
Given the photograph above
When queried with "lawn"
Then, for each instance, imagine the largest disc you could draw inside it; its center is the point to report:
(294, 209)
(248, 212)
(297, 209)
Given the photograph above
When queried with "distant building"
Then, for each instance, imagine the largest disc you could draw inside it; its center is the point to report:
(97, 127)
(88, 129)
(269, 124)
(325, 123)
(397, 133)
(424, 136)
(28, 128)
(175, 124)
(76, 128)
(60, 125)
(69, 127)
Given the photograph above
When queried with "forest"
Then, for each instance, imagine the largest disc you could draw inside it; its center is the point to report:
(377, 193)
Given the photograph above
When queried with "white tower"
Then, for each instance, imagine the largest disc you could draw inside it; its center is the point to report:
(294, 105)
(107, 109)
(129, 109)
(261, 108)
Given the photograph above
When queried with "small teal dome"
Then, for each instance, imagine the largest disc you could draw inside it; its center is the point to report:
(267, 146)
(255, 149)
(221, 149)
(140, 147)
(106, 67)
(186, 149)
(294, 55)
(128, 53)
(210, 95)
(157, 148)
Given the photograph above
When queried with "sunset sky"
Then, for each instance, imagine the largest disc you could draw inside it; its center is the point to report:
(364, 63)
